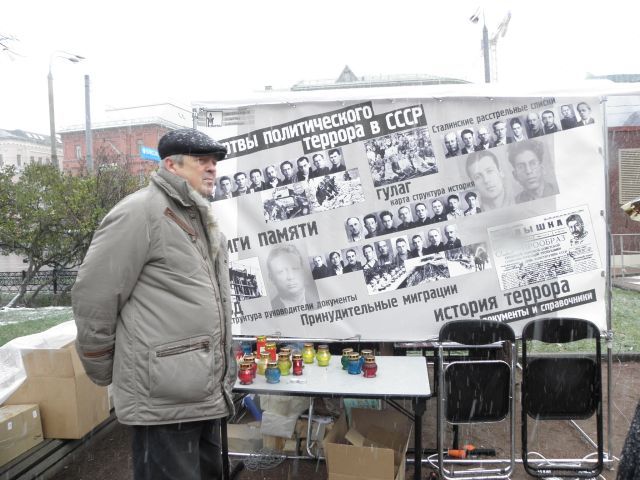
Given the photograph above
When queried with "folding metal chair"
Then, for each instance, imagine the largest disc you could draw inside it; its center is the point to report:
(561, 386)
(475, 389)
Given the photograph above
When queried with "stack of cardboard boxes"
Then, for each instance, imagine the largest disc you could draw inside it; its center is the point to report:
(57, 397)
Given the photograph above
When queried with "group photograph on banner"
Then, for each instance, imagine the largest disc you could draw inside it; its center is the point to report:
(385, 218)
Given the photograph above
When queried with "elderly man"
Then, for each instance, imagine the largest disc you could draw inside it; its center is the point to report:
(451, 232)
(526, 158)
(153, 312)
(451, 142)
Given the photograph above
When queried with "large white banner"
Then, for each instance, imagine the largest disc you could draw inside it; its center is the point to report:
(386, 218)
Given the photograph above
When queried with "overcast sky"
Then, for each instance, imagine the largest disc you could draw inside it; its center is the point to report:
(141, 52)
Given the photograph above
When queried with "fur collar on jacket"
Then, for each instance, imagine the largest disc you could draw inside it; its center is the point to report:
(178, 189)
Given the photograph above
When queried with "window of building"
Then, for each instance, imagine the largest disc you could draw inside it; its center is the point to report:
(629, 166)
(78, 152)
(19, 160)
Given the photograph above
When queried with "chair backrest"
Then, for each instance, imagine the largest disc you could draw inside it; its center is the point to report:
(560, 387)
(476, 332)
(560, 330)
(477, 391)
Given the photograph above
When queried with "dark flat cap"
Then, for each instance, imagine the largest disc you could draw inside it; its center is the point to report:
(188, 141)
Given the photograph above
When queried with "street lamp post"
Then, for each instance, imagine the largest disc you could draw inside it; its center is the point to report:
(52, 121)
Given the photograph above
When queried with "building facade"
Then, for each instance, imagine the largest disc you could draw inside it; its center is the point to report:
(121, 138)
(20, 148)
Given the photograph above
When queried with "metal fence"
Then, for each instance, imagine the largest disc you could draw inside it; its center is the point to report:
(625, 254)
(50, 281)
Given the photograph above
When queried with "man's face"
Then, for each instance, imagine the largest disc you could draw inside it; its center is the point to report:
(467, 138)
(450, 232)
(387, 221)
(271, 173)
(318, 161)
(199, 172)
(434, 237)
(317, 261)
(241, 180)
(453, 203)
(351, 257)
(354, 226)
(438, 207)
(472, 201)
(483, 134)
(256, 178)
(528, 170)
(517, 129)
(417, 242)
(500, 129)
(584, 111)
(487, 178)
(402, 247)
(547, 119)
(303, 166)
(287, 170)
(225, 185)
(383, 248)
(451, 142)
(286, 273)
(368, 252)
(576, 228)
(533, 121)
(566, 111)
(421, 211)
(404, 215)
(370, 224)
(335, 158)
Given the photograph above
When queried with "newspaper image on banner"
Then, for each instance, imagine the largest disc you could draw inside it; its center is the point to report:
(543, 248)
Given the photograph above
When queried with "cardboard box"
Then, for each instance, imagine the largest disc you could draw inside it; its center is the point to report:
(20, 430)
(244, 437)
(70, 404)
(381, 439)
